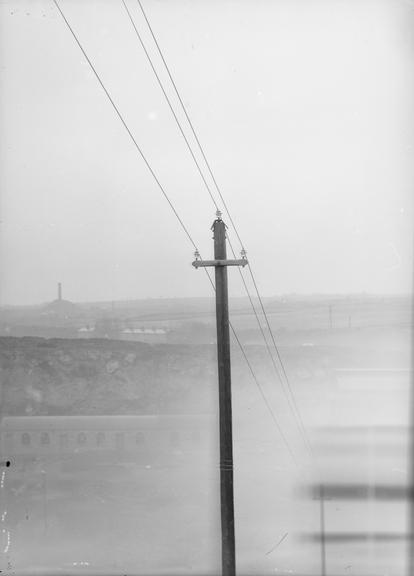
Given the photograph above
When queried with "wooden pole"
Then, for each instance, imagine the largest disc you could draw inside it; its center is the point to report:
(220, 263)
(322, 517)
(224, 376)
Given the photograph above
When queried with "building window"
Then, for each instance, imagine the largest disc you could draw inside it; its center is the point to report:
(63, 440)
(26, 439)
(44, 438)
(139, 438)
(82, 439)
(119, 440)
(100, 439)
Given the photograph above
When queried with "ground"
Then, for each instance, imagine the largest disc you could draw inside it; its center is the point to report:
(156, 510)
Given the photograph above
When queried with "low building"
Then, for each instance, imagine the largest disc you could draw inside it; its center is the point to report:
(86, 332)
(147, 335)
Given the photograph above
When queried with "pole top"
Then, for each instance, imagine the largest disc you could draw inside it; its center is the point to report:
(218, 219)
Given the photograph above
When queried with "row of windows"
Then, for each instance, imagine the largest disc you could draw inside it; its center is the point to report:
(101, 439)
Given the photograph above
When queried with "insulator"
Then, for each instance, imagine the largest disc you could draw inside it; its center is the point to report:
(218, 214)
(197, 255)
(243, 253)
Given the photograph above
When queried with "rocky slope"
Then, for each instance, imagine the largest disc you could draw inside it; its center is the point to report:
(64, 376)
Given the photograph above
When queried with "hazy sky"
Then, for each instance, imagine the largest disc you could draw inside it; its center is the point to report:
(304, 110)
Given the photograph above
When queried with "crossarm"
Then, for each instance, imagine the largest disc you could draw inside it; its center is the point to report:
(207, 263)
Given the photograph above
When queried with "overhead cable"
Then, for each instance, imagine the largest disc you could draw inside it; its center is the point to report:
(126, 126)
(271, 412)
(293, 400)
(169, 202)
(169, 103)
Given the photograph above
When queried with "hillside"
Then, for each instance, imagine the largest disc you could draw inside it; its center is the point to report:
(41, 376)
(64, 376)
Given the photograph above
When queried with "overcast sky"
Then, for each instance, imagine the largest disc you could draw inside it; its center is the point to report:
(304, 110)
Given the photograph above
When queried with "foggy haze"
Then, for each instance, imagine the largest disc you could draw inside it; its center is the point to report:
(304, 112)
(116, 402)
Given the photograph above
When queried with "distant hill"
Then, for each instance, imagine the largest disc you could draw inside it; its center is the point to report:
(61, 308)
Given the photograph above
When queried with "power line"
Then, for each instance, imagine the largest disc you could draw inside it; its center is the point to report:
(190, 122)
(169, 103)
(272, 414)
(126, 127)
(158, 183)
(293, 400)
(263, 396)
(292, 405)
(188, 118)
(281, 362)
(174, 211)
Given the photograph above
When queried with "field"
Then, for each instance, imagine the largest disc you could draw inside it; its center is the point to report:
(154, 509)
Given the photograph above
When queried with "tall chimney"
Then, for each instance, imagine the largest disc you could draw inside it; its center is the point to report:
(59, 291)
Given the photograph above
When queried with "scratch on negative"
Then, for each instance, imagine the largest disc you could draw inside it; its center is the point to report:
(278, 544)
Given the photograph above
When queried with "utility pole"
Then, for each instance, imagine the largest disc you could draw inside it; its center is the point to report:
(220, 264)
(322, 517)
